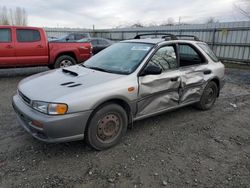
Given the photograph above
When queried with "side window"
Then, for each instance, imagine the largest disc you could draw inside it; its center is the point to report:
(189, 55)
(208, 51)
(165, 58)
(5, 35)
(102, 42)
(28, 35)
(79, 36)
(94, 42)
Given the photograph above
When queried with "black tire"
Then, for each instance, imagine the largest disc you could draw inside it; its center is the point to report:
(208, 97)
(64, 61)
(106, 127)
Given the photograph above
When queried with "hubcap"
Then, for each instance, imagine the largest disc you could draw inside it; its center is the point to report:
(65, 63)
(109, 127)
(210, 96)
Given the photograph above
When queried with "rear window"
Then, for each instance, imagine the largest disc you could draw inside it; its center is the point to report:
(208, 51)
(28, 35)
(103, 42)
(5, 35)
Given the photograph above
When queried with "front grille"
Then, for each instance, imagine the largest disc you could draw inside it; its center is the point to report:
(25, 98)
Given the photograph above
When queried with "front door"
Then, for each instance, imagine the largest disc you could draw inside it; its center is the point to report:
(160, 92)
(7, 48)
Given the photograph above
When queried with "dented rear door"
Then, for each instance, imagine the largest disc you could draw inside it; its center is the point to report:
(193, 70)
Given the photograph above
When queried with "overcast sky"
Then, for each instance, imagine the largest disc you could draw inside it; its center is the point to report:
(111, 13)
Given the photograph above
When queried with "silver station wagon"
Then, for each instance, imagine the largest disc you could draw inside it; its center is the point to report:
(128, 81)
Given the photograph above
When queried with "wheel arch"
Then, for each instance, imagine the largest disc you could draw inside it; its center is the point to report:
(217, 81)
(68, 53)
(119, 101)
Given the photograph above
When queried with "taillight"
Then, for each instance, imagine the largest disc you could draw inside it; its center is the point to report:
(91, 48)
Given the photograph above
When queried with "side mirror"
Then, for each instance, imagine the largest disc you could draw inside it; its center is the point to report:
(151, 70)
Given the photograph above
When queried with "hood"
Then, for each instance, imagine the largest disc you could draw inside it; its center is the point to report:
(51, 85)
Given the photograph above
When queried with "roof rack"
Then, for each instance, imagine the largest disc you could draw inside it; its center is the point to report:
(191, 36)
(172, 37)
(165, 35)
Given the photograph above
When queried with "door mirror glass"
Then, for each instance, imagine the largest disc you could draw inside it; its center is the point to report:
(151, 70)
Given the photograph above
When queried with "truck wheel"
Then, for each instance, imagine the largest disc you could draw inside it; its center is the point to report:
(51, 66)
(106, 127)
(208, 97)
(64, 61)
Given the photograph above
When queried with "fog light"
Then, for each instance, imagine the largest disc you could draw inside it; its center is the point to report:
(37, 124)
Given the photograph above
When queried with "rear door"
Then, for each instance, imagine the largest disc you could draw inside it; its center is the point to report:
(7, 48)
(31, 47)
(160, 92)
(194, 69)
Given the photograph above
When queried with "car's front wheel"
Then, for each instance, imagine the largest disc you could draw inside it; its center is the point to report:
(106, 126)
(208, 97)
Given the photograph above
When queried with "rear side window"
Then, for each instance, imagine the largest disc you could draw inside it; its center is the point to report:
(208, 51)
(189, 55)
(28, 35)
(5, 35)
(94, 42)
(103, 42)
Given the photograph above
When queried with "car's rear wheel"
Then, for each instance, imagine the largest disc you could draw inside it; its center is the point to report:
(64, 61)
(208, 97)
(106, 126)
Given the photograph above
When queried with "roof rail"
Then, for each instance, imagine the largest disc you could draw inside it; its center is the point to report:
(172, 37)
(191, 36)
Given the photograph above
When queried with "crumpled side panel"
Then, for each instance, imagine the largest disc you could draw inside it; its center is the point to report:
(158, 102)
(191, 94)
(158, 92)
(192, 85)
(151, 84)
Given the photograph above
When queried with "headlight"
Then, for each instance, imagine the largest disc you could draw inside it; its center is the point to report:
(50, 108)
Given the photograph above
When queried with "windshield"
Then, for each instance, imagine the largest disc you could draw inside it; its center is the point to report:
(120, 58)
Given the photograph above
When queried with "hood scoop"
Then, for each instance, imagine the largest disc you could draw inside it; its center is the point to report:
(70, 84)
(67, 71)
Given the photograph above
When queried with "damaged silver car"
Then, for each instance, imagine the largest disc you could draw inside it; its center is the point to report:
(128, 81)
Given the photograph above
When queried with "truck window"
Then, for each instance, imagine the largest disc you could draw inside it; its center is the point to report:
(5, 35)
(28, 35)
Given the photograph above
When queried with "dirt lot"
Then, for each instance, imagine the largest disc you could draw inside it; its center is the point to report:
(183, 148)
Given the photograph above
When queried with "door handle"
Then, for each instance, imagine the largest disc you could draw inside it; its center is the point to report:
(9, 46)
(174, 79)
(207, 71)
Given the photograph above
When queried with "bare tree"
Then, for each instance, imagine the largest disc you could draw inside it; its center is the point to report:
(211, 20)
(20, 16)
(243, 6)
(4, 16)
(16, 17)
(169, 22)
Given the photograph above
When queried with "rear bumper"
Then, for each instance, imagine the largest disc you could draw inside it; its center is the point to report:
(222, 83)
(55, 129)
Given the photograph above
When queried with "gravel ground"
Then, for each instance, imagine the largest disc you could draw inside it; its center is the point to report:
(182, 148)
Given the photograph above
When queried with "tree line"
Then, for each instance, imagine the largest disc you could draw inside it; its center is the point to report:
(17, 16)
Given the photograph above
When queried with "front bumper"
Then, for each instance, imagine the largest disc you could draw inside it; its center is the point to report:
(61, 128)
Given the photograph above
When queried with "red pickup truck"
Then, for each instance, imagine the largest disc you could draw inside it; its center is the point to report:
(28, 46)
